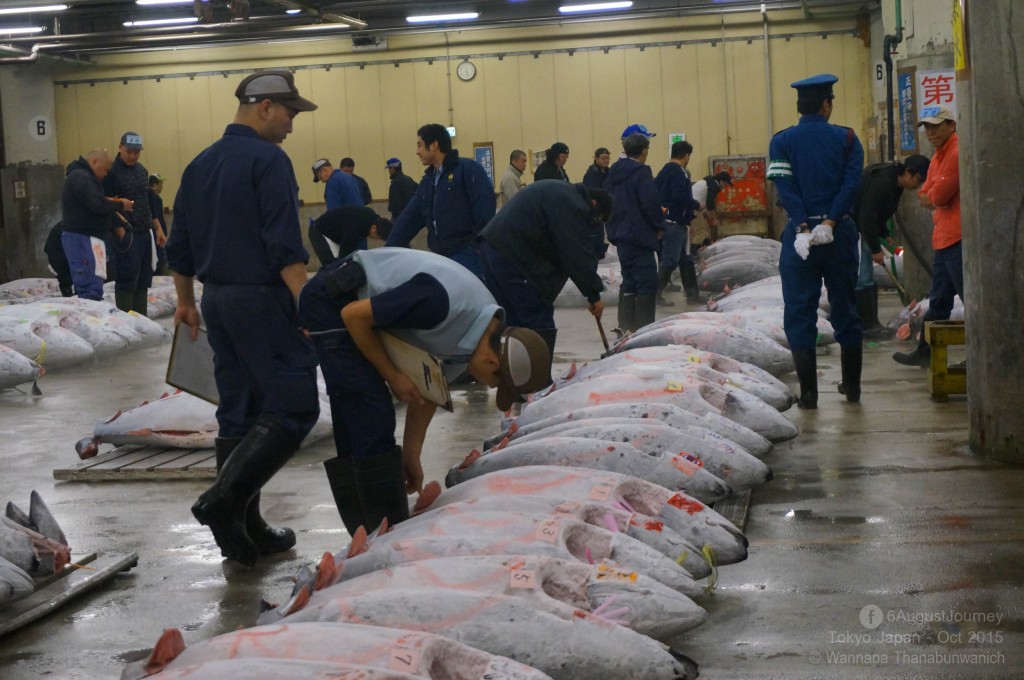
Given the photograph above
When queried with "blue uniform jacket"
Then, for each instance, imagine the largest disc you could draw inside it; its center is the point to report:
(676, 193)
(236, 215)
(341, 190)
(636, 216)
(816, 168)
(454, 210)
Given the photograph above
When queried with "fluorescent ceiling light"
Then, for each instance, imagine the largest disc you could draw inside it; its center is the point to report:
(160, 22)
(292, 11)
(30, 10)
(436, 18)
(23, 30)
(163, 2)
(594, 7)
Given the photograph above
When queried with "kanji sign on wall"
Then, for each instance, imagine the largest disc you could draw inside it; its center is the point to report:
(936, 88)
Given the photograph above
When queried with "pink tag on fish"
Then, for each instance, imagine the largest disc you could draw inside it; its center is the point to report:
(547, 530)
(404, 660)
(567, 508)
(601, 492)
(522, 578)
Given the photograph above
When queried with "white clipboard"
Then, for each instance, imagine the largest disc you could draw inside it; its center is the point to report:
(190, 367)
(423, 368)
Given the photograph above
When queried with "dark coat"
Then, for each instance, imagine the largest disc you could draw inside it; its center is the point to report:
(636, 216)
(84, 208)
(548, 170)
(876, 200)
(676, 193)
(400, 192)
(595, 177)
(545, 232)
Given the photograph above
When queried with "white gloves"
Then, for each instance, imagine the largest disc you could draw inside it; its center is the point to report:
(821, 235)
(802, 244)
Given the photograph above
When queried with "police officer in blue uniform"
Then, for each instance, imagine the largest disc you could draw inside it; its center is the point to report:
(236, 229)
(816, 168)
(433, 303)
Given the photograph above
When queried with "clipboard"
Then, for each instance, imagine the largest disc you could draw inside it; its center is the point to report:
(190, 367)
(423, 368)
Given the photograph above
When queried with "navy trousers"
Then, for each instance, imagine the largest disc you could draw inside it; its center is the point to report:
(522, 303)
(134, 255)
(947, 281)
(639, 269)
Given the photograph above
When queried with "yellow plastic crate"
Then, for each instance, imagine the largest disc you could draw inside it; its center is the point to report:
(944, 380)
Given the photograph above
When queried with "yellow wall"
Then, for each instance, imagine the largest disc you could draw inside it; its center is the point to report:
(715, 94)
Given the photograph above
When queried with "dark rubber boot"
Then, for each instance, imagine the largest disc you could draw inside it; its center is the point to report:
(688, 275)
(549, 335)
(644, 311)
(627, 313)
(867, 310)
(664, 276)
(267, 538)
(67, 291)
(807, 373)
(222, 507)
(920, 357)
(366, 490)
(851, 360)
(140, 302)
(124, 299)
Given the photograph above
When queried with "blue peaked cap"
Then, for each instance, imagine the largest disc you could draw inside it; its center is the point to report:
(821, 83)
(637, 128)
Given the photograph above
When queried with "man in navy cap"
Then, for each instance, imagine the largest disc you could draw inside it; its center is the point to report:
(553, 166)
(402, 188)
(816, 168)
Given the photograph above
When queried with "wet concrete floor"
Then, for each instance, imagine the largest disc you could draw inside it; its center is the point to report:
(882, 549)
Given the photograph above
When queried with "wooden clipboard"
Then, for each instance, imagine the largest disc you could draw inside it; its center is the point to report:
(423, 368)
(190, 367)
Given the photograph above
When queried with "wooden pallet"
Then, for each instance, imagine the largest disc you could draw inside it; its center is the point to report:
(735, 508)
(53, 592)
(134, 462)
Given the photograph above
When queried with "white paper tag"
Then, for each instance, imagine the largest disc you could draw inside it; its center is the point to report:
(99, 253)
(404, 660)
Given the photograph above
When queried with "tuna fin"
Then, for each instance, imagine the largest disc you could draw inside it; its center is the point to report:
(359, 544)
(326, 573)
(167, 649)
(427, 497)
(381, 529)
(16, 514)
(300, 600)
(571, 372)
(473, 456)
(36, 392)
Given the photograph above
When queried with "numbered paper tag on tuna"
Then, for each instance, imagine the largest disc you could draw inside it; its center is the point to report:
(547, 530)
(505, 669)
(404, 660)
(522, 578)
(601, 492)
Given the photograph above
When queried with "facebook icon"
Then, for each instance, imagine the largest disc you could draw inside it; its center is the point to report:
(871, 616)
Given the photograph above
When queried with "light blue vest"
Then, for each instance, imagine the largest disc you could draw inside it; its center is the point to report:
(470, 305)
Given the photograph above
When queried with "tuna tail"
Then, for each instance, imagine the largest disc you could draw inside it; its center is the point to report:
(168, 647)
(18, 515)
(40, 515)
(686, 668)
(427, 497)
(88, 447)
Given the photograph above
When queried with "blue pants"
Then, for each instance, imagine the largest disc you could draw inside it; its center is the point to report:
(866, 269)
(835, 264)
(362, 410)
(262, 362)
(947, 282)
(469, 258)
(134, 255)
(639, 270)
(78, 250)
(522, 303)
(672, 242)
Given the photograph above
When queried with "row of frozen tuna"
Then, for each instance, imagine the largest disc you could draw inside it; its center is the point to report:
(31, 545)
(576, 543)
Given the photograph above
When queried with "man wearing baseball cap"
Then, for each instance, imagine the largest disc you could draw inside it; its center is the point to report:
(236, 229)
(433, 303)
(941, 194)
(401, 190)
(553, 166)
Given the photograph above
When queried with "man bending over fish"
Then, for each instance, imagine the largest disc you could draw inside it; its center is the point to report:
(432, 303)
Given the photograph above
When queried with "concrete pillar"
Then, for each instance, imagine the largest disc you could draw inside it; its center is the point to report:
(991, 166)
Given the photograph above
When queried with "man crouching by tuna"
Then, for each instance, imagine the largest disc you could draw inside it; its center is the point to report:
(434, 304)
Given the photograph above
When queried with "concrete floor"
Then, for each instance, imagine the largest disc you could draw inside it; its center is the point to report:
(873, 504)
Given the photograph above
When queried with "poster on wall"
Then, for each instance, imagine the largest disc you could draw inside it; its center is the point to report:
(748, 195)
(674, 137)
(907, 109)
(483, 153)
(936, 88)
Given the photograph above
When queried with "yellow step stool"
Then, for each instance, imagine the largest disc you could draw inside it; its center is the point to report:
(943, 379)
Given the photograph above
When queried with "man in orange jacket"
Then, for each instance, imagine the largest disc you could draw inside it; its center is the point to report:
(941, 194)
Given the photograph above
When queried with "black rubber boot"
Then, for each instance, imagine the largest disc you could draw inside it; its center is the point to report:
(807, 373)
(124, 299)
(688, 275)
(664, 276)
(140, 302)
(867, 310)
(67, 291)
(851, 359)
(644, 310)
(627, 313)
(366, 490)
(267, 538)
(549, 335)
(222, 507)
(920, 357)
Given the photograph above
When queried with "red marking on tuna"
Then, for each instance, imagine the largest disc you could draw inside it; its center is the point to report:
(688, 505)
(167, 649)
(654, 525)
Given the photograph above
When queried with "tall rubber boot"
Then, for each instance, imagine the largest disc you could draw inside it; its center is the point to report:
(867, 310)
(67, 291)
(688, 275)
(267, 538)
(644, 310)
(549, 335)
(124, 299)
(664, 276)
(851, 359)
(920, 357)
(627, 313)
(222, 507)
(382, 493)
(341, 476)
(807, 373)
(140, 301)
